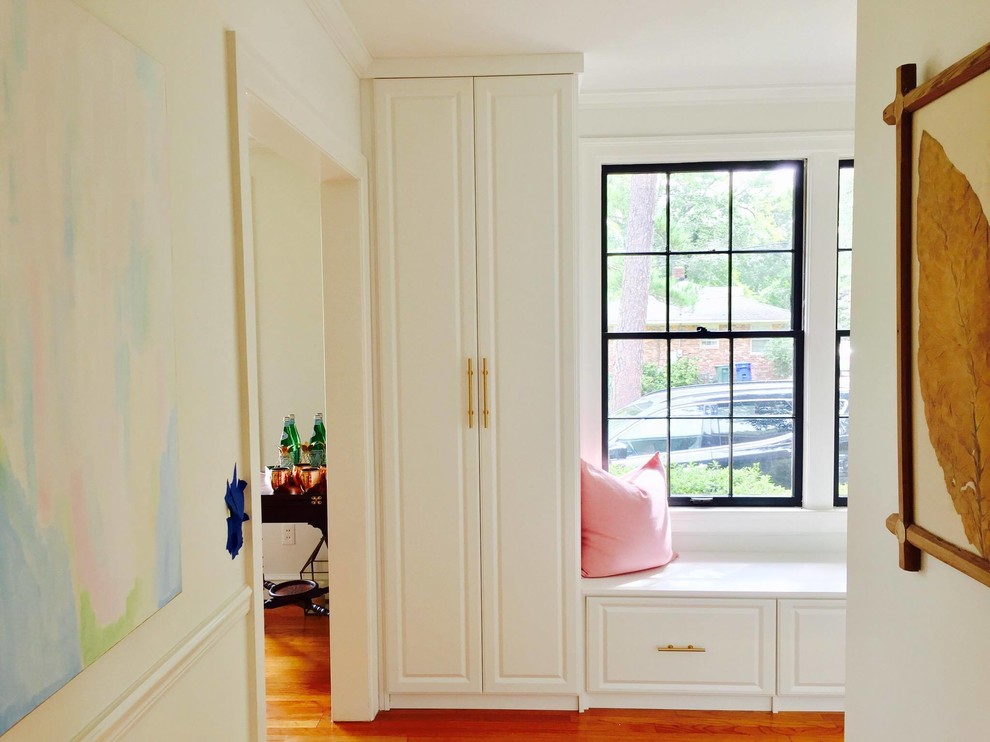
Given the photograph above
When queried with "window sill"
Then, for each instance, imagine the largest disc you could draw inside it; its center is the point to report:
(794, 530)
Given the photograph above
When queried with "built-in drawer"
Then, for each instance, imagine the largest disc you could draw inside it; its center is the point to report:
(811, 651)
(681, 645)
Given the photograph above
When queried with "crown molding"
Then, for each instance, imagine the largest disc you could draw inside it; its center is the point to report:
(481, 66)
(709, 96)
(337, 24)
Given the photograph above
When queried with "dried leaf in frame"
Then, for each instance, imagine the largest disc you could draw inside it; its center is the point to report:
(953, 245)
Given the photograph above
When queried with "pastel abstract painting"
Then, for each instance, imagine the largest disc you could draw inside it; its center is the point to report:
(89, 509)
(954, 334)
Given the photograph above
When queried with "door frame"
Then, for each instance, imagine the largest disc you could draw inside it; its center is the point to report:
(262, 105)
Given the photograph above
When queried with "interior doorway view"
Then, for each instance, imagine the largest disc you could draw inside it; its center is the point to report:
(301, 212)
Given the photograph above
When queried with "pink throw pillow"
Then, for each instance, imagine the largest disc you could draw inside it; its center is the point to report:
(625, 524)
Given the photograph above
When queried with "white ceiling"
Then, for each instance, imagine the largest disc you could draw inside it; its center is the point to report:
(631, 44)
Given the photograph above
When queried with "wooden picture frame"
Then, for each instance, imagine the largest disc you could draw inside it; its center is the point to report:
(943, 358)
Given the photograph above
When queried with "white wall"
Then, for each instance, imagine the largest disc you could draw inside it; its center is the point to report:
(289, 305)
(676, 114)
(187, 37)
(918, 645)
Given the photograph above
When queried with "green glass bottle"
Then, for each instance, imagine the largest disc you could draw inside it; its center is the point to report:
(318, 442)
(290, 437)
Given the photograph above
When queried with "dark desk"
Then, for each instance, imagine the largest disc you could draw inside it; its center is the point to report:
(308, 508)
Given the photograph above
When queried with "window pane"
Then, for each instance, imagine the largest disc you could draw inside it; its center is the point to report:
(699, 374)
(845, 207)
(763, 398)
(636, 212)
(843, 290)
(762, 457)
(761, 291)
(706, 476)
(842, 320)
(637, 290)
(845, 352)
(699, 211)
(763, 209)
(842, 454)
(699, 294)
(637, 378)
(767, 374)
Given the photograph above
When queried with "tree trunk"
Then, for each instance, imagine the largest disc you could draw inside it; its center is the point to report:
(627, 356)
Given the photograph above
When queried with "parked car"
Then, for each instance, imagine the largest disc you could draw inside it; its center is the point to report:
(762, 427)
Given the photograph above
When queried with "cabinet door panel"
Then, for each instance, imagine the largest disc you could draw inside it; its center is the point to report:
(427, 289)
(524, 152)
(812, 648)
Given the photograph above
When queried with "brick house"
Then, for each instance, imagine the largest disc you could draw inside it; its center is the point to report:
(711, 311)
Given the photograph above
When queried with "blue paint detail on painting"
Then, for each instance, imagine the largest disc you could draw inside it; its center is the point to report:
(150, 78)
(68, 198)
(149, 75)
(18, 23)
(122, 386)
(3, 357)
(26, 372)
(8, 95)
(133, 300)
(12, 189)
(168, 579)
(40, 649)
(68, 236)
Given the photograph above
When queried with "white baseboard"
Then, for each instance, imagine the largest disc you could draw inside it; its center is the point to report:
(117, 718)
(809, 703)
(517, 702)
(686, 702)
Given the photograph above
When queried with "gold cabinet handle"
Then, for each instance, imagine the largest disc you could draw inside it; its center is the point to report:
(484, 386)
(688, 648)
(470, 392)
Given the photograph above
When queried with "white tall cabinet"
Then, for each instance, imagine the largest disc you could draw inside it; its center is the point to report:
(474, 211)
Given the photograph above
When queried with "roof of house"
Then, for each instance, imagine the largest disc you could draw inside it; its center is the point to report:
(712, 307)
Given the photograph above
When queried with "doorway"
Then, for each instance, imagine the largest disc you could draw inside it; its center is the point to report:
(275, 131)
(287, 235)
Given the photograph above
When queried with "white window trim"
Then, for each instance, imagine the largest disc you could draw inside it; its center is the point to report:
(822, 152)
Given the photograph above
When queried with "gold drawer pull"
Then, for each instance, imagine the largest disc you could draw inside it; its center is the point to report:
(688, 648)
(470, 393)
(484, 377)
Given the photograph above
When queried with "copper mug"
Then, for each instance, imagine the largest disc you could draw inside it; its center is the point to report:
(309, 477)
(281, 476)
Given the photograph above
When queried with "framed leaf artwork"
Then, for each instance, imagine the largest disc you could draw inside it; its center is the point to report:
(943, 315)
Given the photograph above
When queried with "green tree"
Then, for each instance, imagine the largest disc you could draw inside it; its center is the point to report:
(683, 372)
(780, 353)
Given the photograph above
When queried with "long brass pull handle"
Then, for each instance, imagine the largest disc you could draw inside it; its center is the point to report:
(470, 392)
(688, 648)
(484, 386)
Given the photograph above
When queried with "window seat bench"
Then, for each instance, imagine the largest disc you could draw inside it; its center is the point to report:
(721, 575)
(735, 631)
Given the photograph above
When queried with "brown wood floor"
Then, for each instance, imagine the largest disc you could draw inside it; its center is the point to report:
(297, 671)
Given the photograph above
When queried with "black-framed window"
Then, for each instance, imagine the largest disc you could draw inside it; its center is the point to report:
(702, 337)
(843, 348)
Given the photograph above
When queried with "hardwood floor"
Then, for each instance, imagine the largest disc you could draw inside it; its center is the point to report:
(297, 671)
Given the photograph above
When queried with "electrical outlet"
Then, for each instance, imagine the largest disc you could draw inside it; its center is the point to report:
(288, 534)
